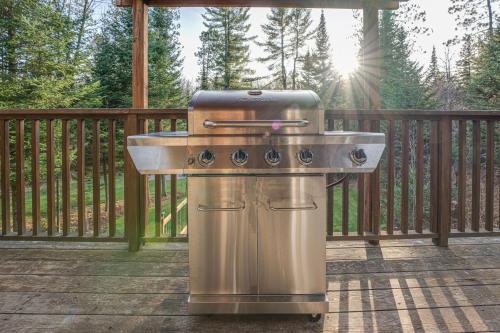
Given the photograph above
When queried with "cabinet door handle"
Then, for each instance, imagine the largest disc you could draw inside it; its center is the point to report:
(206, 208)
(312, 206)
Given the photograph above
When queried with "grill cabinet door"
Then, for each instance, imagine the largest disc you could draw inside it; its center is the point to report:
(222, 235)
(291, 238)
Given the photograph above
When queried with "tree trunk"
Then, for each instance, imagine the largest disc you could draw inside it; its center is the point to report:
(490, 17)
(283, 69)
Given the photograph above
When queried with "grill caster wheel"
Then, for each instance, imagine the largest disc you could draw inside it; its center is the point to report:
(315, 317)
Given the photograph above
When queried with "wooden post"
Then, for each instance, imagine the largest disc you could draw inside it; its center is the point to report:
(371, 84)
(134, 200)
(140, 55)
(132, 185)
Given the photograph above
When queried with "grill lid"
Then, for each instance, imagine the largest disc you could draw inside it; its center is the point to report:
(255, 112)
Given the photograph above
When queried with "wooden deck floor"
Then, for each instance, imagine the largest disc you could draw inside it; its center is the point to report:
(399, 286)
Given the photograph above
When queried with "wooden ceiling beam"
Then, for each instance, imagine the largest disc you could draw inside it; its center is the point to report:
(339, 4)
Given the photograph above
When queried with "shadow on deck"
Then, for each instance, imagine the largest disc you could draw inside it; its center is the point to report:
(399, 286)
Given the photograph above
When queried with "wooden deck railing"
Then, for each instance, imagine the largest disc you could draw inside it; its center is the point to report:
(436, 179)
(421, 188)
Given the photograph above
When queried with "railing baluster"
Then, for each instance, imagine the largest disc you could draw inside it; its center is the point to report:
(143, 190)
(419, 181)
(51, 181)
(96, 179)
(173, 191)
(80, 151)
(329, 206)
(345, 194)
(390, 177)
(158, 190)
(374, 179)
(330, 194)
(490, 174)
(5, 176)
(405, 133)
(66, 177)
(35, 176)
(21, 223)
(476, 173)
(112, 178)
(363, 191)
(462, 173)
(434, 175)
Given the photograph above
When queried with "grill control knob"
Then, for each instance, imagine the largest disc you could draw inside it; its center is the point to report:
(239, 157)
(206, 158)
(305, 156)
(272, 157)
(358, 156)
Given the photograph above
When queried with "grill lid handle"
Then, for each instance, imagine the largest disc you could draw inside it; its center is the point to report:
(274, 124)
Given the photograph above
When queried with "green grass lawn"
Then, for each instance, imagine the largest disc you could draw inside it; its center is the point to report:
(181, 188)
(182, 216)
(337, 208)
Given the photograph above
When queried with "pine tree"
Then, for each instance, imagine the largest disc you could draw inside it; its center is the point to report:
(165, 72)
(327, 80)
(113, 58)
(276, 45)
(232, 58)
(307, 80)
(433, 73)
(300, 33)
(483, 90)
(402, 85)
(35, 68)
(464, 64)
(205, 55)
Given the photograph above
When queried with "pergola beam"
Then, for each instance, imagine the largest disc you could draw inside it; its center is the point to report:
(338, 4)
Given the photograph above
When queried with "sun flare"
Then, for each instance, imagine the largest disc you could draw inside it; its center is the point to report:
(346, 64)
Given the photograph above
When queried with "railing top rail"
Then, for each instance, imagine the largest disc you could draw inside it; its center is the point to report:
(181, 113)
(60, 113)
(387, 114)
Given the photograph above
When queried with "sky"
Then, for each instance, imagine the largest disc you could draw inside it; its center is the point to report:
(341, 26)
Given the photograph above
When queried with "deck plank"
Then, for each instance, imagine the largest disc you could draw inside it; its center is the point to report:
(176, 304)
(403, 285)
(171, 285)
(486, 318)
(398, 250)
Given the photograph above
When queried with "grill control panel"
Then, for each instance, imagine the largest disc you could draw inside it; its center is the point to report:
(180, 153)
(251, 158)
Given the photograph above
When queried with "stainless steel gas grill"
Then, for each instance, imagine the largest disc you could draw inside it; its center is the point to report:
(256, 162)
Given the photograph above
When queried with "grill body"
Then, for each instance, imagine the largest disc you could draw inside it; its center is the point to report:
(256, 163)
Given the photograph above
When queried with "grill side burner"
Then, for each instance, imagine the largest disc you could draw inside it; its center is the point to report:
(256, 164)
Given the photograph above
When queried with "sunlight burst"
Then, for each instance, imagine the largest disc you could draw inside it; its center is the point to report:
(346, 64)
